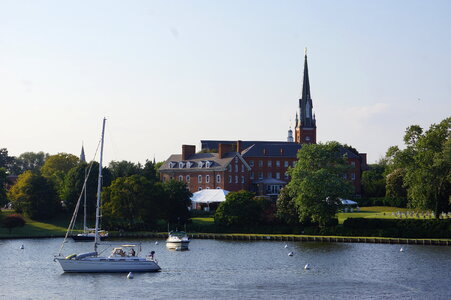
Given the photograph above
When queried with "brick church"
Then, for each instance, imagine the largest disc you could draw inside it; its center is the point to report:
(258, 166)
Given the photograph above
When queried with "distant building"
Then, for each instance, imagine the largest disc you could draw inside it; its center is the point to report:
(258, 166)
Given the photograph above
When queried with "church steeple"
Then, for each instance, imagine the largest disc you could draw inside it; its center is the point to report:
(82, 155)
(306, 128)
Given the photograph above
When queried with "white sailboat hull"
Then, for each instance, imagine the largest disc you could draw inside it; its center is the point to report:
(105, 265)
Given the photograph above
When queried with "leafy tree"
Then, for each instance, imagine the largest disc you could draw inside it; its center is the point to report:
(373, 181)
(57, 166)
(317, 181)
(424, 167)
(131, 203)
(395, 184)
(28, 161)
(3, 198)
(13, 221)
(124, 169)
(6, 161)
(73, 185)
(286, 208)
(150, 171)
(239, 209)
(177, 199)
(35, 196)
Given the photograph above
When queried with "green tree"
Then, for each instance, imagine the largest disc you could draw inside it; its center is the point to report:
(286, 208)
(29, 161)
(318, 181)
(373, 181)
(150, 171)
(13, 221)
(177, 199)
(124, 168)
(35, 196)
(6, 161)
(395, 184)
(239, 209)
(131, 203)
(428, 179)
(73, 185)
(3, 197)
(56, 167)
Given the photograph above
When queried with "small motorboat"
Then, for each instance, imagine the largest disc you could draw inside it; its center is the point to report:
(177, 240)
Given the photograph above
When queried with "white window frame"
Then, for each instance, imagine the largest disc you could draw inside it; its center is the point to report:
(269, 163)
(199, 178)
(218, 178)
(277, 163)
(180, 177)
(207, 178)
(286, 164)
(230, 178)
(236, 178)
(188, 178)
(242, 179)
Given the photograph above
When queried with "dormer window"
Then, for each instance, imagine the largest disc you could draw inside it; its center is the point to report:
(200, 164)
(189, 164)
(208, 164)
(172, 164)
(181, 164)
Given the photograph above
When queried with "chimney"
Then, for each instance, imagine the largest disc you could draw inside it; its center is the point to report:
(223, 149)
(363, 164)
(239, 146)
(187, 151)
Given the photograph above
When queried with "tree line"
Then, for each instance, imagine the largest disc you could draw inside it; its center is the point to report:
(133, 196)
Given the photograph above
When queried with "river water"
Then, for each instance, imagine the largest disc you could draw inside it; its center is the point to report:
(214, 269)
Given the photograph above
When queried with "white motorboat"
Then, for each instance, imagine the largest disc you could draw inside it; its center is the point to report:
(119, 260)
(177, 240)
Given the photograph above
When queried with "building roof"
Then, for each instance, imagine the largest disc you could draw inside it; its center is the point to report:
(266, 148)
(200, 161)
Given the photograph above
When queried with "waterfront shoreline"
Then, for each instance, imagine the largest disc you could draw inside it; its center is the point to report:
(267, 237)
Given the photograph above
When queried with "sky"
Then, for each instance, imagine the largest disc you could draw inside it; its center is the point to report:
(167, 73)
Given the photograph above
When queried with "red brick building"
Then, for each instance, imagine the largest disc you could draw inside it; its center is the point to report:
(259, 166)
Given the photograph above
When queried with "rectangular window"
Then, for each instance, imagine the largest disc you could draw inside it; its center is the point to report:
(242, 179)
(230, 179)
(277, 163)
(242, 168)
(270, 163)
(230, 168)
(251, 163)
(260, 163)
(269, 174)
(260, 175)
(218, 178)
(207, 178)
(286, 175)
(199, 179)
(294, 163)
(286, 164)
(277, 175)
(236, 179)
(353, 163)
(252, 175)
(236, 168)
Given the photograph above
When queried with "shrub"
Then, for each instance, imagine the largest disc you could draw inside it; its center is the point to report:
(13, 221)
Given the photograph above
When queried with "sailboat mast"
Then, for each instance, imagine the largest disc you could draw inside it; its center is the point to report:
(99, 188)
(84, 208)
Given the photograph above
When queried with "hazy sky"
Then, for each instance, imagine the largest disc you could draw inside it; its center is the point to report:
(167, 73)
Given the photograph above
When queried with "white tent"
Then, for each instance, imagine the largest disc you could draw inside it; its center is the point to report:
(347, 202)
(209, 196)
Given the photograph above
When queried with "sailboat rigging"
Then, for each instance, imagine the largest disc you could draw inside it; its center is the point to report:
(119, 260)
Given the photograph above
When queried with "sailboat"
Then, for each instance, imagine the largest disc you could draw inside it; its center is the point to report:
(88, 234)
(120, 260)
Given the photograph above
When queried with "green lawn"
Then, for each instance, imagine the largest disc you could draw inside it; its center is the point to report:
(56, 226)
(376, 212)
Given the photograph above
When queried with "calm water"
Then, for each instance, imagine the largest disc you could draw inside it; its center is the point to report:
(236, 270)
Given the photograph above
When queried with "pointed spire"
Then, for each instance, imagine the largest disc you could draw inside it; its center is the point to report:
(82, 155)
(306, 82)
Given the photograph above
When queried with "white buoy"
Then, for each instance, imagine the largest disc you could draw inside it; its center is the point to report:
(130, 275)
(307, 267)
(156, 243)
(286, 246)
(290, 254)
(22, 247)
(401, 250)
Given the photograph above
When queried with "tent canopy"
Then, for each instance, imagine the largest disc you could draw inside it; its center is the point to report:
(209, 196)
(347, 202)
